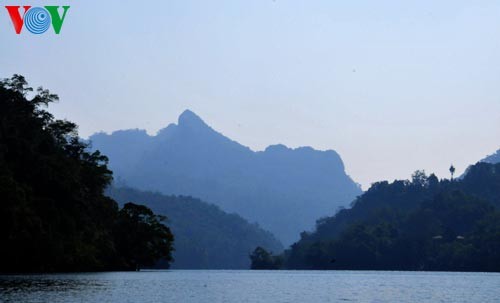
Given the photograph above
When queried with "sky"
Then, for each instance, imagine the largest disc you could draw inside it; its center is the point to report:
(392, 86)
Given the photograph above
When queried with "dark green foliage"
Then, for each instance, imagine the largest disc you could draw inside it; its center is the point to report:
(141, 237)
(262, 259)
(205, 236)
(53, 213)
(421, 224)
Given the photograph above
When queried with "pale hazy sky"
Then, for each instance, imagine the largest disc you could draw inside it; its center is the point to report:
(393, 86)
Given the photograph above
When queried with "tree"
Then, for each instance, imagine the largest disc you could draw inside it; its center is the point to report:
(419, 178)
(425, 224)
(54, 215)
(262, 259)
(452, 171)
(17, 84)
(141, 237)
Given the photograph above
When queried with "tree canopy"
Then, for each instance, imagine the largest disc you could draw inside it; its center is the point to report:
(205, 236)
(262, 259)
(422, 224)
(53, 213)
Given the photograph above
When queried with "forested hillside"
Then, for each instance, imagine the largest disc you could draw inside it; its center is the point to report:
(205, 236)
(54, 215)
(422, 224)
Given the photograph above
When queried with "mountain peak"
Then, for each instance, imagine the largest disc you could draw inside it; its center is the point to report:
(189, 118)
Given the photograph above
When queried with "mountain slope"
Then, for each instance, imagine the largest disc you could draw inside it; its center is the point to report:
(423, 224)
(284, 190)
(205, 236)
(493, 158)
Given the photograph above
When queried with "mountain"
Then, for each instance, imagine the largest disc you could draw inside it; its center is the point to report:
(422, 224)
(285, 190)
(205, 236)
(493, 158)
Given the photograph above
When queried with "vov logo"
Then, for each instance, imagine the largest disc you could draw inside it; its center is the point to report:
(37, 20)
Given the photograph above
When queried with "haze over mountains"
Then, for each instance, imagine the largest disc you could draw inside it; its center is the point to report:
(284, 190)
(205, 236)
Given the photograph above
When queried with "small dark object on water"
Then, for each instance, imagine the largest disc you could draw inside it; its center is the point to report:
(333, 260)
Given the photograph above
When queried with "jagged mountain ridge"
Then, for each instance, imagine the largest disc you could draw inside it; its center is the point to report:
(284, 190)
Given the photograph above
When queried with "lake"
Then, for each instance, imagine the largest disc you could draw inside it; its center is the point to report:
(209, 286)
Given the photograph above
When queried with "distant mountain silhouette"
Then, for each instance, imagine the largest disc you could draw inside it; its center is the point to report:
(205, 236)
(493, 158)
(284, 190)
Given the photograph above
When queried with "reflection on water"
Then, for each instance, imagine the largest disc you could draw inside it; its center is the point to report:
(26, 284)
(251, 286)
(47, 288)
